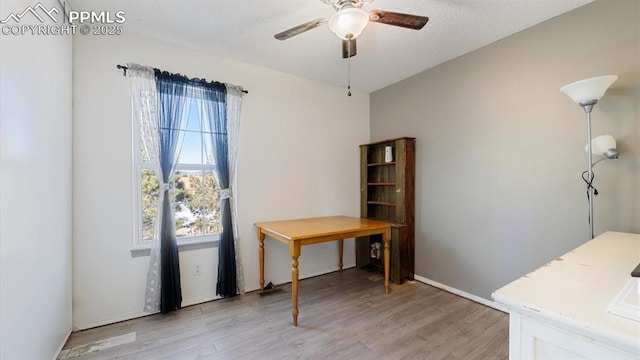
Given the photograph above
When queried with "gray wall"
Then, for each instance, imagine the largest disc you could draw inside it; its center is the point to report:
(35, 190)
(500, 150)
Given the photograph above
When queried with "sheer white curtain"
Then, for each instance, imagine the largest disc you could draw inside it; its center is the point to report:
(234, 105)
(144, 105)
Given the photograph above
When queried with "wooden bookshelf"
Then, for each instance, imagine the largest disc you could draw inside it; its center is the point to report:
(387, 193)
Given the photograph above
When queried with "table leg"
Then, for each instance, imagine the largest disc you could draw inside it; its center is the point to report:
(261, 252)
(294, 249)
(341, 252)
(387, 238)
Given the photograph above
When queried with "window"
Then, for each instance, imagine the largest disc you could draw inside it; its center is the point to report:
(195, 196)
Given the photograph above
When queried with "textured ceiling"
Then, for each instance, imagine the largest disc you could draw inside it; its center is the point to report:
(243, 30)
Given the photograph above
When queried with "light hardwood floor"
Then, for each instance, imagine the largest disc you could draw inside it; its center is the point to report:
(342, 316)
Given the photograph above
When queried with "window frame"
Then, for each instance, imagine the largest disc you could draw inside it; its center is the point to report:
(140, 246)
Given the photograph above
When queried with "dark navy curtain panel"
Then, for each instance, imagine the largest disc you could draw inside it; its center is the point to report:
(214, 96)
(172, 99)
(174, 92)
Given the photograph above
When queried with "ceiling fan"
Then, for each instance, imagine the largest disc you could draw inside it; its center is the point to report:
(350, 19)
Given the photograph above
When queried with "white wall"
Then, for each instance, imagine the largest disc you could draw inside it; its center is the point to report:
(298, 157)
(500, 150)
(35, 189)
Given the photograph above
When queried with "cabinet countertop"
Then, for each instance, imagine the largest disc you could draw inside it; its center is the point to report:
(574, 290)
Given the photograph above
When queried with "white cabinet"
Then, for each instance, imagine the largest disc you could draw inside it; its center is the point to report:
(560, 311)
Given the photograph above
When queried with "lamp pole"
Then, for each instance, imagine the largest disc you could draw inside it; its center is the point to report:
(588, 106)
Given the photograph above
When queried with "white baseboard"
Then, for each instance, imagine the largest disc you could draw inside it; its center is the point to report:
(125, 317)
(66, 338)
(190, 302)
(464, 294)
(111, 320)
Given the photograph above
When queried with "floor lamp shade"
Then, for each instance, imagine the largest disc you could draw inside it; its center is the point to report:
(588, 89)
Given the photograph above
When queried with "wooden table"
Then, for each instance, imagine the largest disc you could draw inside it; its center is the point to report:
(296, 233)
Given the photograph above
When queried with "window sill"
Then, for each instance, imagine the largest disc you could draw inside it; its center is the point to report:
(183, 245)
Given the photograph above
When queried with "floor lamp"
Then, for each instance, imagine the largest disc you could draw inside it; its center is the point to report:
(586, 93)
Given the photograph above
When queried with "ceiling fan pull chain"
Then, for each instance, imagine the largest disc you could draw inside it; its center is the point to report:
(349, 68)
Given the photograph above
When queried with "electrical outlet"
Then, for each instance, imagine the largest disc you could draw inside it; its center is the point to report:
(197, 270)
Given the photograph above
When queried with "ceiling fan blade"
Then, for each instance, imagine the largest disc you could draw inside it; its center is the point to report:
(409, 21)
(297, 30)
(345, 48)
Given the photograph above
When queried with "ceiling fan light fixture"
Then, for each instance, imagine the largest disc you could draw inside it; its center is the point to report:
(348, 23)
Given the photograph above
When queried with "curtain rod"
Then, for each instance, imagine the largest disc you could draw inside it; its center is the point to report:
(124, 73)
